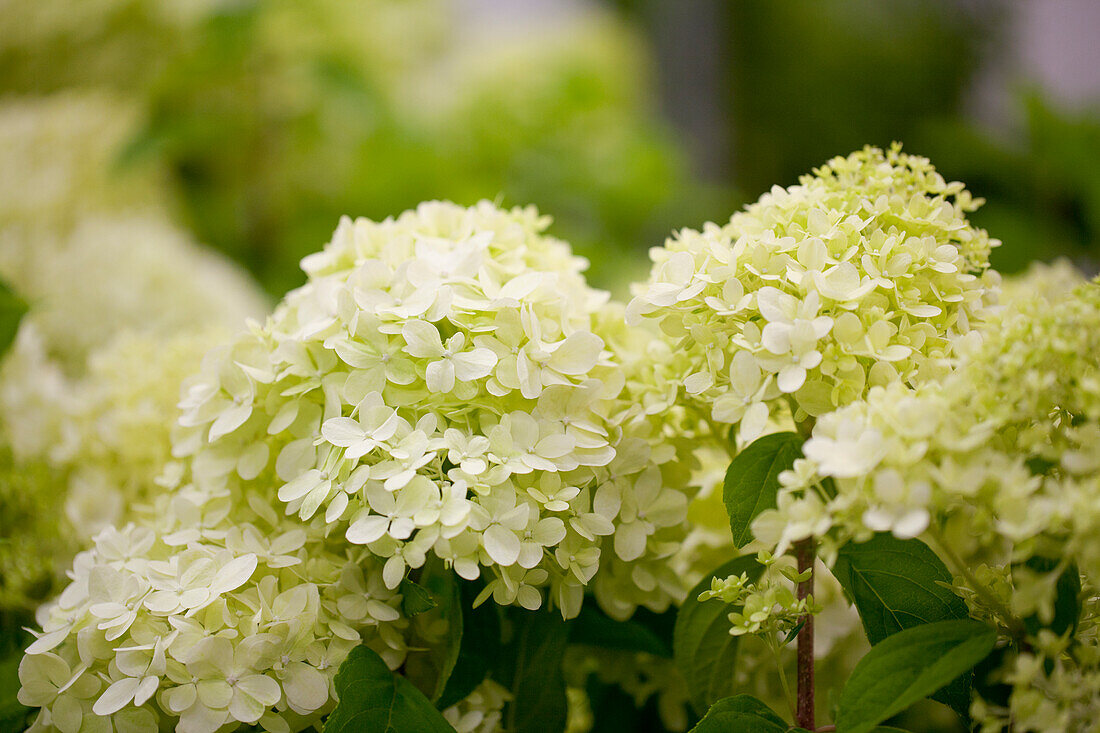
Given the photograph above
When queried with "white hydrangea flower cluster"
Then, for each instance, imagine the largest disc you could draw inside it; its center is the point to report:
(58, 166)
(235, 600)
(1008, 444)
(131, 273)
(860, 275)
(90, 246)
(481, 711)
(1052, 281)
(998, 464)
(114, 427)
(34, 393)
(60, 155)
(437, 387)
(122, 306)
(1050, 689)
(220, 611)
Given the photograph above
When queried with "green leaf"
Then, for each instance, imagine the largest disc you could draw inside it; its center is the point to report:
(907, 666)
(740, 714)
(752, 480)
(615, 711)
(436, 634)
(480, 648)
(897, 584)
(703, 648)
(375, 700)
(415, 599)
(1067, 598)
(536, 681)
(12, 310)
(595, 628)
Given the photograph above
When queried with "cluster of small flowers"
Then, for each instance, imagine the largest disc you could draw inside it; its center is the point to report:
(1051, 689)
(840, 642)
(131, 273)
(480, 711)
(767, 606)
(60, 155)
(1007, 446)
(1051, 281)
(122, 307)
(1000, 462)
(860, 275)
(103, 422)
(114, 426)
(91, 247)
(219, 610)
(437, 387)
(504, 441)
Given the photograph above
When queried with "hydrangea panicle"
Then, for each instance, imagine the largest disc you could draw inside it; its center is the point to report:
(997, 465)
(444, 384)
(860, 275)
(439, 386)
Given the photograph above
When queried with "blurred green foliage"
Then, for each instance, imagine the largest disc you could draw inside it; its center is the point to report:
(810, 79)
(1042, 186)
(278, 117)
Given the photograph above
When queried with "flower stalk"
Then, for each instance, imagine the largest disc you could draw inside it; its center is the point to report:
(804, 712)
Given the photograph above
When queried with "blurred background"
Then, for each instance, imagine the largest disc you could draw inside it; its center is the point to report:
(255, 124)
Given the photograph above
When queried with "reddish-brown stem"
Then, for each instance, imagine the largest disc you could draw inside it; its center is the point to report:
(804, 710)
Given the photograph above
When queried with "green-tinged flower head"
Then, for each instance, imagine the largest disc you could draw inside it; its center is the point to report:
(88, 242)
(1010, 441)
(1000, 463)
(646, 677)
(437, 387)
(35, 394)
(132, 273)
(114, 436)
(1055, 686)
(35, 539)
(220, 611)
(766, 606)
(481, 711)
(860, 275)
(1054, 280)
(60, 162)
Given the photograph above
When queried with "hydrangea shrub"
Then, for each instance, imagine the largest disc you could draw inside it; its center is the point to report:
(448, 484)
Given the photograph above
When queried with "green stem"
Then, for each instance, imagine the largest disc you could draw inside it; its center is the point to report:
(805, 427)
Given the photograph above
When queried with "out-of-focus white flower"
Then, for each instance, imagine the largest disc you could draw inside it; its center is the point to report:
(481, 711)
